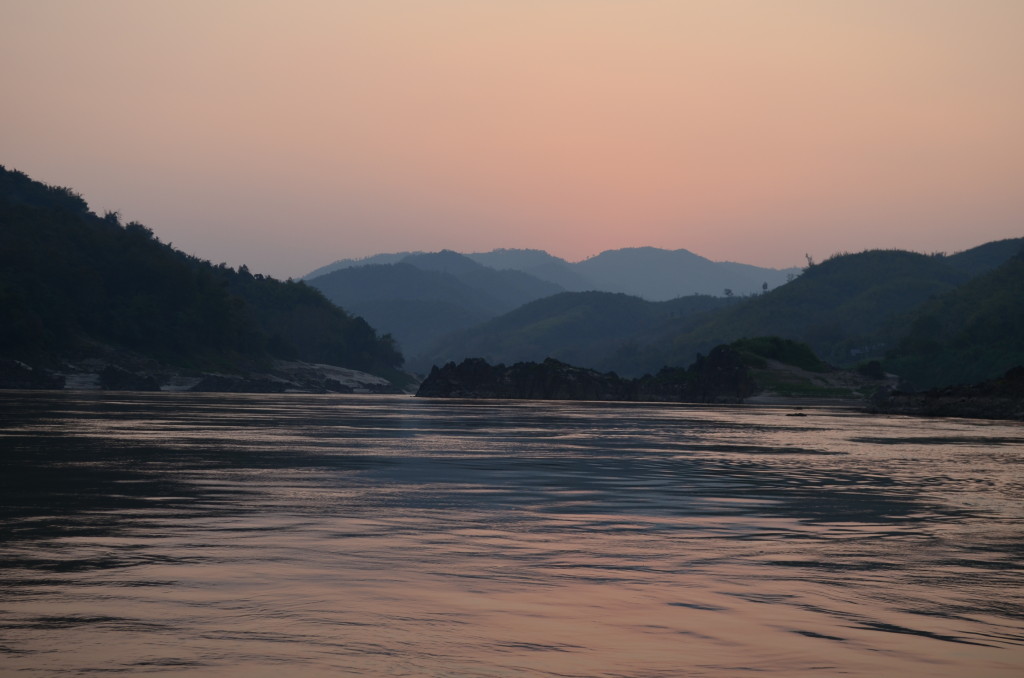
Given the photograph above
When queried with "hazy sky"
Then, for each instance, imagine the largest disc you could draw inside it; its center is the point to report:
(288, 134)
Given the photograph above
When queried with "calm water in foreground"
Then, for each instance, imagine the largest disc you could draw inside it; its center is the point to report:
(217, 535)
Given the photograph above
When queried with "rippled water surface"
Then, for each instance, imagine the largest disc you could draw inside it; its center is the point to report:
(217, 535)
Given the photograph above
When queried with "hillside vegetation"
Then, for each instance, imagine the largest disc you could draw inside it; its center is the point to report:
(970, 334)
(763, 367)
(596, 329)
(425, 296)
(921, 315)
(848, 308)
(74, 285)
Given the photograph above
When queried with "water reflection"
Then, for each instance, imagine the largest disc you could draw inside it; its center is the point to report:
(236, 535)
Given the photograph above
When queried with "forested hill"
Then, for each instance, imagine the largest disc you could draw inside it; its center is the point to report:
(970, 334)
(74, 284)
(934, 320)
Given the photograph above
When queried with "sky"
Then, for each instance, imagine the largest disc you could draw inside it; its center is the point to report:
(287, 134)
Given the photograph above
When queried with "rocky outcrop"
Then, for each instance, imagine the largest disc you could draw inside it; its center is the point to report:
(720, 377)
(1001, 398)
(219, 383)
(550, 380)
(114, 378)
(130, 372)
(321, 378)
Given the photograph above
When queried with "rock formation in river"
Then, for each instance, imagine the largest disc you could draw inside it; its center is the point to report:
(720, 377)
(1001, 398)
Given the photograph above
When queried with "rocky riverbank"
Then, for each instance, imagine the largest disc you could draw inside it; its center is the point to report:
(133, 374)
(1001, 398)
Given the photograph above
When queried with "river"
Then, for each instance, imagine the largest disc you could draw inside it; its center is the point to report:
(269, 535)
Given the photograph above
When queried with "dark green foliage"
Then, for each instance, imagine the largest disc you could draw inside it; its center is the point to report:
(70, 280)
(999, 398)
(987, 257)
(848, 308)
(17, 188)
(872, 369)
(719, 377)
(785, 351)
(301, 324)
(968, 335)
(602, 330)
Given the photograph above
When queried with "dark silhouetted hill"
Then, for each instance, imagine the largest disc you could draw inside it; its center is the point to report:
(647, 272)
(998, 398)
(849, 308)
(596, 329)
(74, 284)
(770, 367)
(658, 275)
(970, 334)
(721, 377)
(537, 263)
(375, 259)
(984, 258)
(426, 296)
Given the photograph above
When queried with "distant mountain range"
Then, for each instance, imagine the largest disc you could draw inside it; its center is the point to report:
(419, 298)
(647, 272)
(933, 319)
(82, 293)
(632, 311)
(424, 297)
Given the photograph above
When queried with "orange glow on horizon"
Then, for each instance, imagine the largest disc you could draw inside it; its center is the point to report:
(285, 136)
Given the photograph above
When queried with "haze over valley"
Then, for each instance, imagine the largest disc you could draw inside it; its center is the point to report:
(634, 310)
(88, 295)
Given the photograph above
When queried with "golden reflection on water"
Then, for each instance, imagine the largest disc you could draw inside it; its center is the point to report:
(251, 535)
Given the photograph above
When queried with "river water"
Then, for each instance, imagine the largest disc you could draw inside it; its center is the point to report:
(253, 535)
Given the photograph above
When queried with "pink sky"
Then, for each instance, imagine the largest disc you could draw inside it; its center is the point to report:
(285, 135)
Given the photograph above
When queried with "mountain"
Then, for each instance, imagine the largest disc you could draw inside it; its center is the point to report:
(596, 329)
(391, 258)
(518, 259)
(647, 272)
(415, 306)
(537, 263)
(766, 367)
(984, 258)
(76, 286)
(850, 309)
(854, 308)
(970, 334)
(428, 295)
(657, 274)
